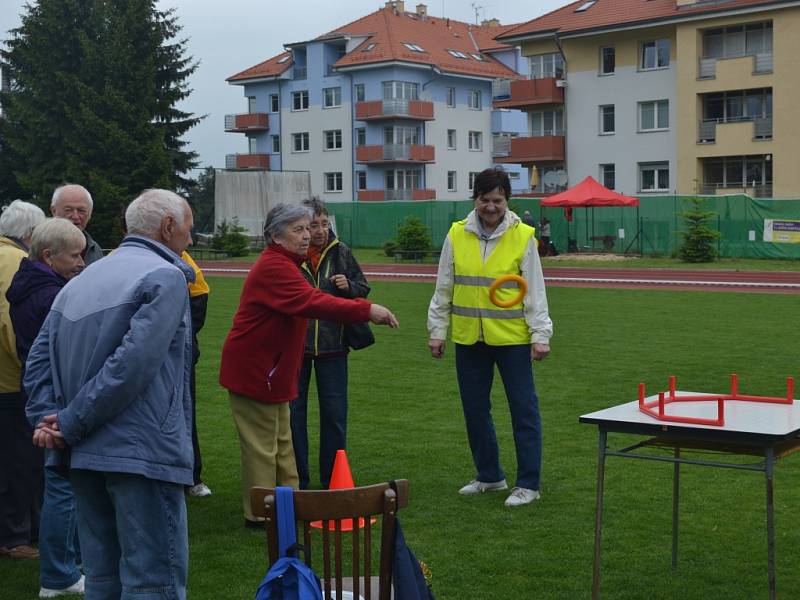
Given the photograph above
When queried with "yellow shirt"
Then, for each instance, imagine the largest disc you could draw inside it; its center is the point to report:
(199, 287)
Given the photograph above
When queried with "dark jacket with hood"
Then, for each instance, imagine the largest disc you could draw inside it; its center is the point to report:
(30, 296)
(328, 337)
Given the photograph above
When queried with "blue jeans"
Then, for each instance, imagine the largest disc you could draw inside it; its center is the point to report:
(475, 373)
(133, 534)
(331, 376)
(59, 551)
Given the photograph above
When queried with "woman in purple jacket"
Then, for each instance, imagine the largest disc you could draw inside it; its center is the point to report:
(55, 257)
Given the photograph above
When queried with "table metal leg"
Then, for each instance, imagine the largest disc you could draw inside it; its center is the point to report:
(768, 470)
(598, 516)
(676, 493)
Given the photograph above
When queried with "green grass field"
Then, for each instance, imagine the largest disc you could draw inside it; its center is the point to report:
(406, 422)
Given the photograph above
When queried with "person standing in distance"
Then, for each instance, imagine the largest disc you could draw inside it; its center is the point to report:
(489, 243)
(74, 203)
(108, 378)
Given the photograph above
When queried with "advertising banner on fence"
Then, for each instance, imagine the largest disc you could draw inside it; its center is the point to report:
(782, 231)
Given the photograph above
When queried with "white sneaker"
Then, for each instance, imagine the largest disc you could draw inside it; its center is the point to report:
(478, 487)
(75, 588)
(201, 490)
(520, 496)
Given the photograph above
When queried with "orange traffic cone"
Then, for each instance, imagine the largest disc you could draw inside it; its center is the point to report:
(341, 479)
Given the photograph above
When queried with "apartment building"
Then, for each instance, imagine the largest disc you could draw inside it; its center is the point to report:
(396, 105)
(666, 96)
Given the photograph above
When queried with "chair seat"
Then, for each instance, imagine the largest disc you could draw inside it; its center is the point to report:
(347, 589)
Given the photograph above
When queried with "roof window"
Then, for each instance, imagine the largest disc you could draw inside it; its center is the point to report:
(413, 47)
(476, 56)
(457, 54)
(368, 47)
(586, 5)
(283, 59)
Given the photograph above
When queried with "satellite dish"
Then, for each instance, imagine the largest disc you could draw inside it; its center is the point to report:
(561, 177)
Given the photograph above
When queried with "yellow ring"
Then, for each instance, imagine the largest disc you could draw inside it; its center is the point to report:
(523, 289)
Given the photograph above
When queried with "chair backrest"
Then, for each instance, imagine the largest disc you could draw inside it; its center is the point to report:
(332, 507)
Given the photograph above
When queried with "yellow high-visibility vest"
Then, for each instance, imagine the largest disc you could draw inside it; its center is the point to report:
(472, 311)
(199, 287)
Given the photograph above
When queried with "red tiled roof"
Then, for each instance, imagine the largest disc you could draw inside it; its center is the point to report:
(269, 68)
(611, 13)
(389, 31)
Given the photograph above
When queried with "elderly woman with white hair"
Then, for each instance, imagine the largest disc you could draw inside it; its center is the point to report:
(55, 257)
(21, 467)
(263, 353)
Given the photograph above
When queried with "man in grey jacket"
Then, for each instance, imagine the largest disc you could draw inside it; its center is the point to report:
(108, 383)
(74, 202)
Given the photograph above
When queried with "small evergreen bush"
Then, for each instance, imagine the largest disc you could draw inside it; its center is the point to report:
(699, 239)
(413, 235)
(230, 238)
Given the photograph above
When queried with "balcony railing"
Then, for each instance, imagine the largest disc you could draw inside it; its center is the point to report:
(421, 110)
(300, 72)
(752, 189)
(522, 93)
(762, 128)
(762, 63)
(412, 194)
(247, 161)
(530, 148)
(410, 153)
(247, 122)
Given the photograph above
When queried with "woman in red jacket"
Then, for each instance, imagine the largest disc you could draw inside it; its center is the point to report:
(263, 353)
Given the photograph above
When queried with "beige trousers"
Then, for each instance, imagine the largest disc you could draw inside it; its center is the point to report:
(265, 437)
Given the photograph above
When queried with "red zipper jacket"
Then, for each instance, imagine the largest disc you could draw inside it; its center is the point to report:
(263, 353)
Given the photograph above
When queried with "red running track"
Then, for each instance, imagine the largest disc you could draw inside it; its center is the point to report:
(783, 282)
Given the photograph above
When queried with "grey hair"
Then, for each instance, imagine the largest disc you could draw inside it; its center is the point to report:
(144, 215)
(281, 215)
(19, 219)
(60, 189)
(57, 235)
(316, 205)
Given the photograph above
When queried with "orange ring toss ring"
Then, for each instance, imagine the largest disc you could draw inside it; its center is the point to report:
(523, 289)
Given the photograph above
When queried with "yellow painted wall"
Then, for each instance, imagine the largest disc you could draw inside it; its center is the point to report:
(583, 54)
(735, 139)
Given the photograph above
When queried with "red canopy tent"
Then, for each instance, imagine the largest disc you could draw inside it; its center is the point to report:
(588, 193)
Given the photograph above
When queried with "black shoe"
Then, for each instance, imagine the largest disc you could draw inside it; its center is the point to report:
(248, 524)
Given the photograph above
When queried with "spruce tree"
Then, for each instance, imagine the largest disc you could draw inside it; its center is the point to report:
(93, 98)
(699, 238)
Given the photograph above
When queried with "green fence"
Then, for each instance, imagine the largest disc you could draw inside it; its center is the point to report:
(653, 228)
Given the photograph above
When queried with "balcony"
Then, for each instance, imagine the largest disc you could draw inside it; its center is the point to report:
(380, 195)
(525, 150)
(527, 93)
(247, 161)
(395, 153)
(754, 190)
(245, 122)
(762, 63)
(374, 110)
(300, 72)
(707, 130)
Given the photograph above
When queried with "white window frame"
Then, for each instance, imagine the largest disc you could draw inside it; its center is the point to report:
(474, 100)
(413, 47)
(301, 136)
(331, 97)
(252, 145)
(471, 179)
(656, 167)
(655, 43)
(274, 103)
(451, 97)
(657, 125)
(602, 174)
(361, 134)
(451, 139)
(335, 178)
(361, 180)
(300, 98)
(359, 91)
(332, 139)
(452, 181)
(547, 65)
(603, 72)
(601, 114)
(458, 54)
(476, 141)
(276, 143)
(251, 104)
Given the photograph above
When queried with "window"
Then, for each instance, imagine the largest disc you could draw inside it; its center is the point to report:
(361, 178)
(252, 145)
(737, 171)
(451, 139)
(361, 136)
(331, 97)
(251, 104)
(547, 123)
(368, 47)
(333, 139)
(451, 97)
(274, 103)
(513, 174)
(403, 179)
(413, 47)
(547, 65)
(333, 182)
(300, 100)
(740, 105)
(283, 59)
(738, 40)
(608, 58)
(472, 176)
(300, 142)
(399, 90)
(476, 56)
(654, 116)
(401, 134)
(451, 181)
(475, 140)
(359, 92)
(474, 100)
(607, 119)
(458, 54)
(654, 54)
(276, 144)
(608, 176)
(586, 6)
(654, 177)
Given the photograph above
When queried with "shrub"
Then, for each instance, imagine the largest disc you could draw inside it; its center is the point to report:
(230, 238)
(698, 239)
(412, 235)
(389, 248)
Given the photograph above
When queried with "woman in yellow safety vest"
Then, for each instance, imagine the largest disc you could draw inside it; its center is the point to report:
(492, 242)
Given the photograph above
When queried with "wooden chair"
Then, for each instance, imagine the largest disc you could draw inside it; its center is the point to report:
(331, 507)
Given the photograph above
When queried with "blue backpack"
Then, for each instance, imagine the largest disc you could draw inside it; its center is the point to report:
(289, 578)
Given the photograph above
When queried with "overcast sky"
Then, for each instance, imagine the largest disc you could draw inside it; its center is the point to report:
(230, 35)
